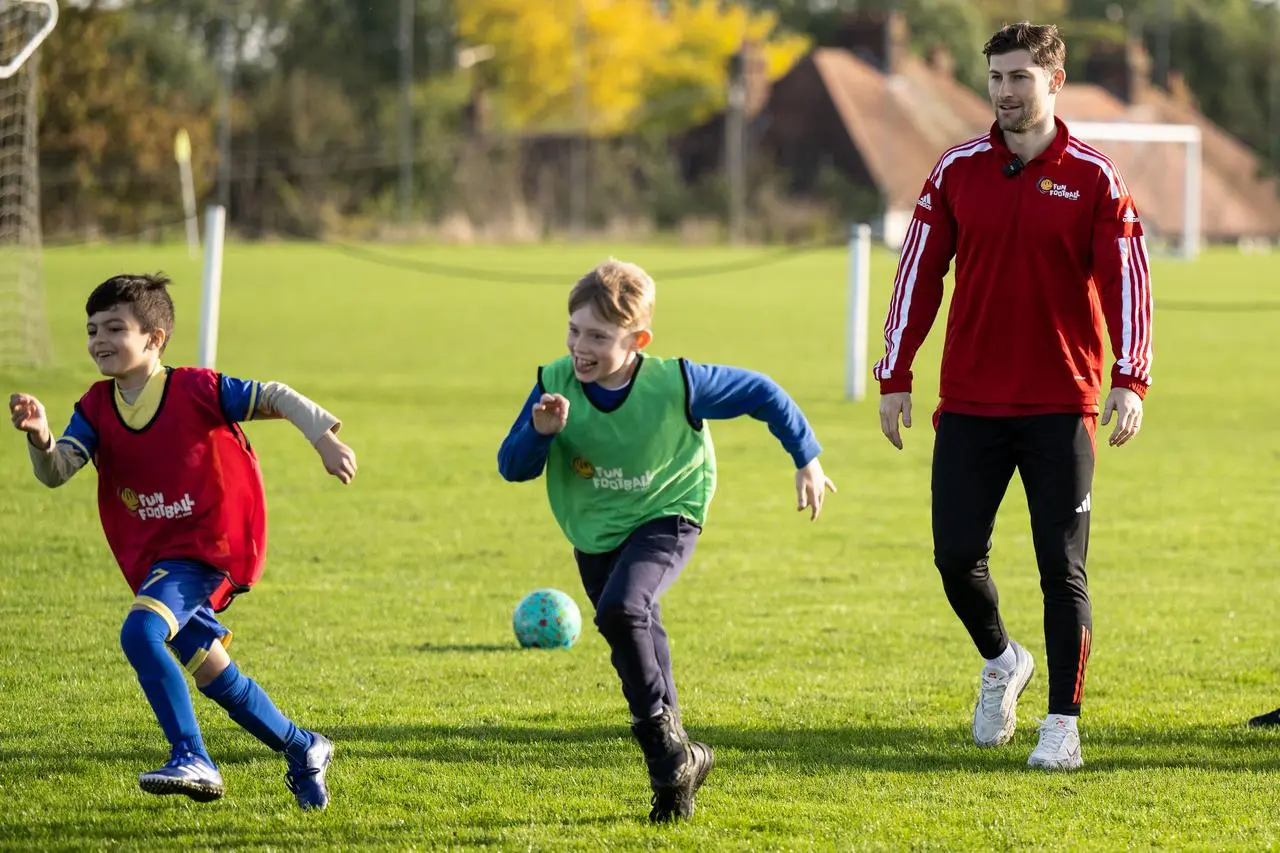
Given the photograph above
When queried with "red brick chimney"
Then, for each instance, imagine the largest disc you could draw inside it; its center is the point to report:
(478, 113)
(879, 39)
(1124, 69)
(757, 77)
(941, 60)
(1180, 92)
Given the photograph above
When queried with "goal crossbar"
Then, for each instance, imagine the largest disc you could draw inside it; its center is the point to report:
(11, 67)
(1187, 135)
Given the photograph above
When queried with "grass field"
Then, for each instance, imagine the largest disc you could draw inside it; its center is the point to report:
(820, 660)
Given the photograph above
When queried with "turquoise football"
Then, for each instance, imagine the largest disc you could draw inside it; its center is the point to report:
(547, 619)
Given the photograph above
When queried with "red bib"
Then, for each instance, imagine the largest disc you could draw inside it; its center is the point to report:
(186, 486)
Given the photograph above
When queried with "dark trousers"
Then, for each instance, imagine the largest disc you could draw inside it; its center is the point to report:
(973, 461)
(624, 586)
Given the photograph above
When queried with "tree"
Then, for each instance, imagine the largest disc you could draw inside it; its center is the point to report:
(602, 65)
(690, 83)
(107, 133)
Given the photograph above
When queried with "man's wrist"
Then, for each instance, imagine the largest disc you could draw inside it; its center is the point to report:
(1131, 384)
(895, 385)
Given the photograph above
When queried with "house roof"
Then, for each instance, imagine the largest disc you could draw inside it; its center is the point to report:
(900, 124)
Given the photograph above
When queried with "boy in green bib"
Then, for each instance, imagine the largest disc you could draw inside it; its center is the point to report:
(630, 474)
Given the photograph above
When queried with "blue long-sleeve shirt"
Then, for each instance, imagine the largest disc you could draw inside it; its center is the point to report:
(716, 392)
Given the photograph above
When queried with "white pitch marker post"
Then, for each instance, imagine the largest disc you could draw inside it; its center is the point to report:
(182, 154)
(855, 385)
(215, 226)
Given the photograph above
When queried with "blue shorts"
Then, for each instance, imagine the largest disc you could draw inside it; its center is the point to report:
(178, 591)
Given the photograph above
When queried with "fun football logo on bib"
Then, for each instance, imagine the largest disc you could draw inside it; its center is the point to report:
(615, 479)
(154, 505)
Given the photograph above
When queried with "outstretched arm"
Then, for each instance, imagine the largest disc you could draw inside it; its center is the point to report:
(244, 400)
(523, 453)
(719, 392)
(53, 463)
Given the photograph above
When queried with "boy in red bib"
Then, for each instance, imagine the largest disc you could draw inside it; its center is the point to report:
(182, 505)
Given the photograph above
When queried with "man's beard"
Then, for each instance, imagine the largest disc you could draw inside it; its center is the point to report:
(1019, 122)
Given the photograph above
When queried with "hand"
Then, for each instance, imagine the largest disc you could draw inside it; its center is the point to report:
(811, 488)
(28, 416)
(1128, 408)
(892, 405)
(550, 414)
(339, 460)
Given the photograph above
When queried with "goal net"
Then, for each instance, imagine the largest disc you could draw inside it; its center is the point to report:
(24, 327)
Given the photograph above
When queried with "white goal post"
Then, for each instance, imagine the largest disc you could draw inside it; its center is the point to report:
(1187, 135)
(24, 327)
(11, 65)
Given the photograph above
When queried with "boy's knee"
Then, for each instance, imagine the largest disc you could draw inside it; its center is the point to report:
(212, 666)
(143, 632)
(620, 616)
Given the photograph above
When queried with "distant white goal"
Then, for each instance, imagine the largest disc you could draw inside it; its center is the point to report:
(1186, 135)
(24, 327)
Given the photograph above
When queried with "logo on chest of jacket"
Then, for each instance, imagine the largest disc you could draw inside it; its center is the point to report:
(1048, 187)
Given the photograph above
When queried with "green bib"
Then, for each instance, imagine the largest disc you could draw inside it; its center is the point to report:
(610, 472)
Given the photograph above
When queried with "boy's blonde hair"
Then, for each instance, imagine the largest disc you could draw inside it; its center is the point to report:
(618, 292)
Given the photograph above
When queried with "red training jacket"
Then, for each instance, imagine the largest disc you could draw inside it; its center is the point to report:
(187, 486)
(1042, 257)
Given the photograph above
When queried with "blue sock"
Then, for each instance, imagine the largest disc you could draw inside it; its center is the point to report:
(143, 637)
(250, 706)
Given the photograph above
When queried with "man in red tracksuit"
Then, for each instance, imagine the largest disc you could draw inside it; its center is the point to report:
(1047, 243)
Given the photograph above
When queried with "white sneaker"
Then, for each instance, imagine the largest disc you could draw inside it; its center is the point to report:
(996, 714)
(1059, 747)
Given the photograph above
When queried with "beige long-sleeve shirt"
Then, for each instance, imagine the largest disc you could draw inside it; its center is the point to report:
(59, 461)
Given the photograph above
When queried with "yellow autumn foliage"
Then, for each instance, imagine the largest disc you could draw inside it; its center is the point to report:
(614, 66)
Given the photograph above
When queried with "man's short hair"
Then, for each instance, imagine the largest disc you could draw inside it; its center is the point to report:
(1042, 41)
(618, 292)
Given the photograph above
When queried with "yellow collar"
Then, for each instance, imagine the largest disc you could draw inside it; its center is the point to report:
(139, 413)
